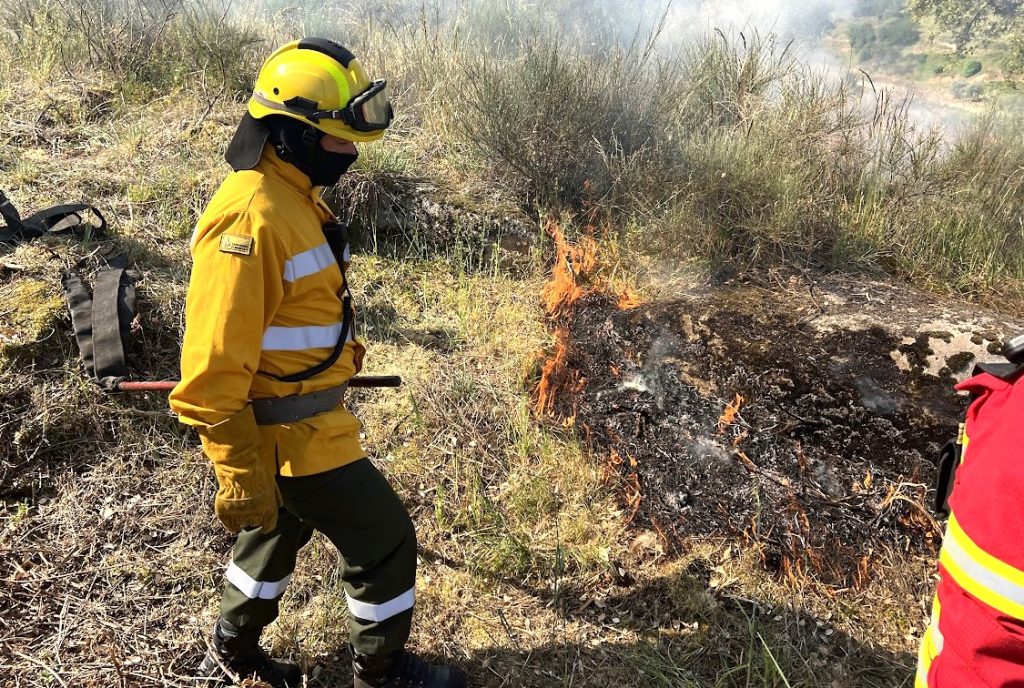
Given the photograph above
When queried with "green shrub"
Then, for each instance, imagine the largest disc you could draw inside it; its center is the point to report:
(547, 119)
(138, 42)
(934, 65)
(899, 32)
(970, 68)
(863, 38)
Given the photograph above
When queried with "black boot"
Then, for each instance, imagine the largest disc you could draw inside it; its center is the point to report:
(403, 670)
(239, 651)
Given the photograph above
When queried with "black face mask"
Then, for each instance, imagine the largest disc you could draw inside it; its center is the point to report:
(299, 144)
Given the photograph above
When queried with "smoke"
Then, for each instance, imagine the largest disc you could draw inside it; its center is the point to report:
(802, 22)
(807, 28)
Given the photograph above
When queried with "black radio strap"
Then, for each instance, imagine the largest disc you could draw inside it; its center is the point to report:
(337, 239)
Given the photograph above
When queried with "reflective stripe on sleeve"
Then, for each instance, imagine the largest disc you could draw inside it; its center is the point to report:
(381, 612)
(254, 589)
(308, 262)
(990, 580)
(347, 254)
(299, 338)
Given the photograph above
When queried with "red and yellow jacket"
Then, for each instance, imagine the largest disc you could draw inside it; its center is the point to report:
(976, 636)
(265, 296)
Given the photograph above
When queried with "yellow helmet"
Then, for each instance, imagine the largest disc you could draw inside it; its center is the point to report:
(318, 82)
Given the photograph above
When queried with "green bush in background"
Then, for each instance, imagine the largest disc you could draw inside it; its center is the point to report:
(934, 65)
(883, 41)
(899, 32)
(863, 38)
(970, 68)
(963, 90)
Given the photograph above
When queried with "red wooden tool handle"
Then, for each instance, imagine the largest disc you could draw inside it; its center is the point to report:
(168, 385)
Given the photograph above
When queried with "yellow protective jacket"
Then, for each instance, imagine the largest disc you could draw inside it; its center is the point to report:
(266, 295)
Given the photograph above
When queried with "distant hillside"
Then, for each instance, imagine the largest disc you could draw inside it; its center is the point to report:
(882, 38)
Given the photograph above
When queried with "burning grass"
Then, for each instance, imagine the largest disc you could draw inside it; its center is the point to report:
(577, 271)
(815, 451)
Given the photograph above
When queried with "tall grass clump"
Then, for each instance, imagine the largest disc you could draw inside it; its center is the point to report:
(147, 44)
(723, 148)
(564, 125)
(729, 149)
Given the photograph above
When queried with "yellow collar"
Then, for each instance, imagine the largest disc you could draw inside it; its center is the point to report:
(272, 165)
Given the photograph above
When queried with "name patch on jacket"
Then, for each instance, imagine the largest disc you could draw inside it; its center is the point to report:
(233, 243)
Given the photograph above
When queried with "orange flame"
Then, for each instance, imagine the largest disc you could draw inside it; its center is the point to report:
(571, 263)
(552, 377)
(628, 298)
(729, 414)
(573, 276)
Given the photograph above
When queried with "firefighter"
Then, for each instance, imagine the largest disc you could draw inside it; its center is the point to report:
(269, 345)
(976, 634)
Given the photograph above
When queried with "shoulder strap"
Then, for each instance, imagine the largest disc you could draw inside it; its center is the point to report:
(14, 228)
(111, 317)
(61, 219)
(58, 219)
(80, 304)
(102, 322)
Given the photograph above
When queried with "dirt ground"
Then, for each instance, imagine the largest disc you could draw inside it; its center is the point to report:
(840, 393)
(802, 419)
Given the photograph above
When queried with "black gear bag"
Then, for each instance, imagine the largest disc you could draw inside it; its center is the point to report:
(102, 321)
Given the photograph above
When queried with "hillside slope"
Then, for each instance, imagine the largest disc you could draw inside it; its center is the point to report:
(674, 364)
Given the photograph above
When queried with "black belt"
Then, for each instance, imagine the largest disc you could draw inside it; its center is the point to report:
(278, 410)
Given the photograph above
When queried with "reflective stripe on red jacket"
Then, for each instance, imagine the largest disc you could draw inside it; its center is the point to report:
(976, 635)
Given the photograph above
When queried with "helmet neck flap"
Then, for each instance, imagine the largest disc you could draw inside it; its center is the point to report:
(299, 144)
(296, 143)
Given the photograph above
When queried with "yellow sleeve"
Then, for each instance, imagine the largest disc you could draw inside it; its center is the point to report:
(235, 288)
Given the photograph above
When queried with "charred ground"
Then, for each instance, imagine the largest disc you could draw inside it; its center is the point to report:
(802, 420)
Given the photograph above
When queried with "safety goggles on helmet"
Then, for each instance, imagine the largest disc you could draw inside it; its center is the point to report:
(369, 111)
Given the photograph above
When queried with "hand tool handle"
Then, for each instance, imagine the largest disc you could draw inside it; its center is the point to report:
(168, 385)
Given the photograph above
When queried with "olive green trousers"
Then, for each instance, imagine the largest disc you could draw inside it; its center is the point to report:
(355, 507)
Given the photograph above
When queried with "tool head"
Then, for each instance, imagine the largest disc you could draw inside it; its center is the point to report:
(1013, 349)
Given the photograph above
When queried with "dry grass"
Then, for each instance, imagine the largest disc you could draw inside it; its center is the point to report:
(109, 551)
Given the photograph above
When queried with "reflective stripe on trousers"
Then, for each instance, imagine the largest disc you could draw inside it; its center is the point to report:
(384, 611)
(254, 589)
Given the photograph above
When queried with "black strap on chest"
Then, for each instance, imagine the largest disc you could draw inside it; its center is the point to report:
(337, 238)
(56, 220)
(102, 320)
(952, 453)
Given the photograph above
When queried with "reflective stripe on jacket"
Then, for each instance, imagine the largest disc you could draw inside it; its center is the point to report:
(265, 297)
(976, 635)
